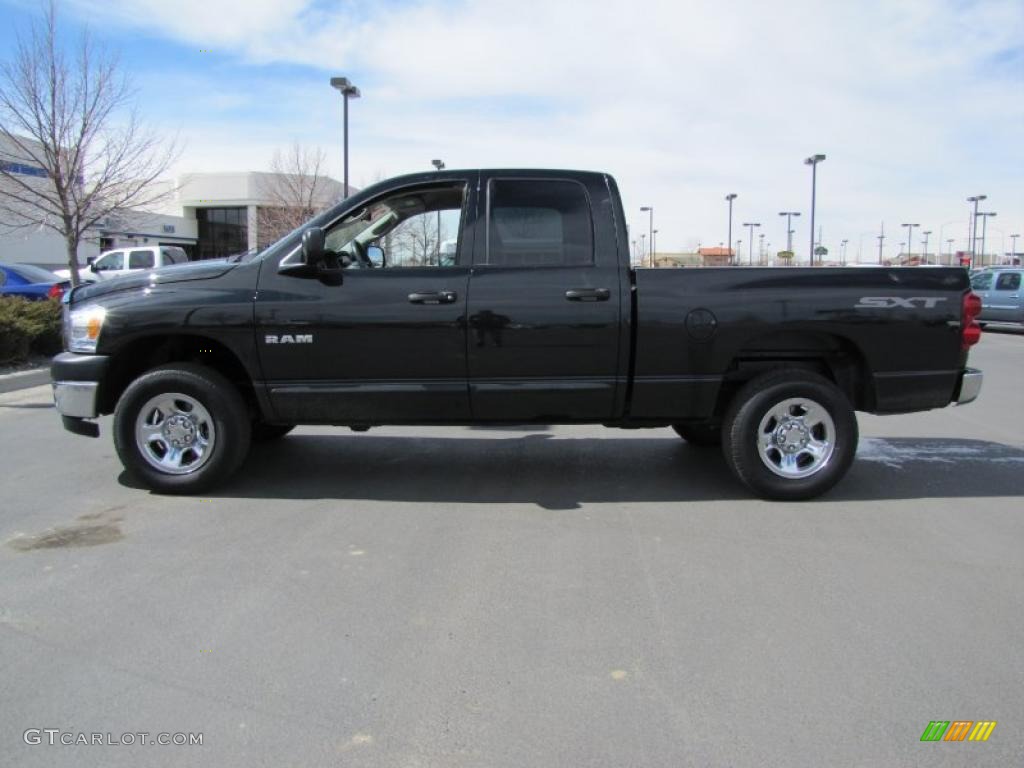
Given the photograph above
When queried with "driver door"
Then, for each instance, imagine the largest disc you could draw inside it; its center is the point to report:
(387, 344)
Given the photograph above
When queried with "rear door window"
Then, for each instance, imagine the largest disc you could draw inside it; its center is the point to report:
(140, 260)
(1008, 281)
(173, 255)
(538, 223)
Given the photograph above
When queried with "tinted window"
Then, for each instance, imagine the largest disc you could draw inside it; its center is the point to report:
(113, 260)
(535, 223)
(140, 260)
(1008, 281)
(982, 282)
(174, 256)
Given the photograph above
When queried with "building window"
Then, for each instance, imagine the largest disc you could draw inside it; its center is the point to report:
(222, 231)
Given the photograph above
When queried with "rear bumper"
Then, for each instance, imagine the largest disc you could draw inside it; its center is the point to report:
(970, 386)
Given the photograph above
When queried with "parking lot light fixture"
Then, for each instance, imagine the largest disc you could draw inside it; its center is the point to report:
(1013, 248)
(973, 225)
(750, 242)
(984, 222)
(910, 237)
(347, 91)
(730, 197)
(650, 228)
(789, 227)
(926, 233)
(813, 161)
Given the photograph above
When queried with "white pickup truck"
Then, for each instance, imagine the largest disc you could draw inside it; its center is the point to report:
(125, 261)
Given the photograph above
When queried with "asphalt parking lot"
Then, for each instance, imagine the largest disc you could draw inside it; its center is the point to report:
(519, 597)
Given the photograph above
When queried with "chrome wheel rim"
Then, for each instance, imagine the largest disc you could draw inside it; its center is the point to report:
(174, 433)
(796, 438)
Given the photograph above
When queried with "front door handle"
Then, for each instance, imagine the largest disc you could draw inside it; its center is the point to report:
(433, 297)
(588, 294)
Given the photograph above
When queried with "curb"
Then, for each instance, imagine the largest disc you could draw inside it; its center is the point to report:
(35, 377)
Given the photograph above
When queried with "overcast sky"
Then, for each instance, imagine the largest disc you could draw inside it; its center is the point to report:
(917, 103)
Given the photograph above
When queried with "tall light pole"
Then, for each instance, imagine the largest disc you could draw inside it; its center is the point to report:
(950, 242)
(643, 247)
(348, 91)
(973, 227)
(439, 165)
(654, 245)
(1013, 248)
(984, 222)
(789, 227)
(750, 243)
(730, 197)
(842, 252)
(926, 233)
(813, 161)
(881, 240)
(760, 248)
(910, 237)
(650, 227)
(739, 245)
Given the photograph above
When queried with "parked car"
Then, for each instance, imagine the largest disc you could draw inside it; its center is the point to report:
(1002, 300)
(125, 261)
(538, 319)
(30, 282)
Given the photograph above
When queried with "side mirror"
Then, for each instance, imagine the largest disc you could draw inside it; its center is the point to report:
(92, 266)
(90, 260)
(376, 255)
(313, 246)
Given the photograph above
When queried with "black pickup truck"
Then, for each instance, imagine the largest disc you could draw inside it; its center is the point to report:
(505, 296)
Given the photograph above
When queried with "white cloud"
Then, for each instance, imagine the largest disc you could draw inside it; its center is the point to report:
(683, 101)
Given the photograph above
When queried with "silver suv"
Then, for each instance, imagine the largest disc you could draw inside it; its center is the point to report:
(1001, 295)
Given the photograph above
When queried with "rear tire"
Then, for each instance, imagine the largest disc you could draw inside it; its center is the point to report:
(790, 435)
(701, 434)
(181, 428)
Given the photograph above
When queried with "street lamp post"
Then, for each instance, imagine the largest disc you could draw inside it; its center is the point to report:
(739, 245)
(984, 223)
(813, 161)
(643, 247)
(760, 248)
(950, 242)
(926, 233)
(910, 237)
(348, 91)
(654, 245)
(789, 227)
(650, 228)
(974, 223)
(750, 243)
(1013, 248)
(842, 252)
(881, 240)
(730, 197)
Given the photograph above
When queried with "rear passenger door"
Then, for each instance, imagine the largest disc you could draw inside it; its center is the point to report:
(544, 306)
(1005, 298)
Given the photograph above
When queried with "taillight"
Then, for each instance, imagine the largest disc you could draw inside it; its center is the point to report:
(970, 331)
(55, 292)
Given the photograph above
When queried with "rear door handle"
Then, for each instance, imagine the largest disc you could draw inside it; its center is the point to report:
(433, 297)
(588, 294)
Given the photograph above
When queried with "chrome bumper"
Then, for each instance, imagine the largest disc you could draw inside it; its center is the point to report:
(76, 398)
(970, 386)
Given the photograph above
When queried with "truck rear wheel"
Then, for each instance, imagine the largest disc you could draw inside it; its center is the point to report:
(181, 428)
(790, 435)
(702, 434)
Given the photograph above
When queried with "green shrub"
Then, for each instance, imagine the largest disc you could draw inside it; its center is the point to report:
(28, 327)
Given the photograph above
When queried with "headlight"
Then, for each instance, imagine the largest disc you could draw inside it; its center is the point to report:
(83, 328)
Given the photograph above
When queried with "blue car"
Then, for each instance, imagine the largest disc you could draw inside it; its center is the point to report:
(29, 282)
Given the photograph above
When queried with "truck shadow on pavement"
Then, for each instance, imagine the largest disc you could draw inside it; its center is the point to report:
(563, 473)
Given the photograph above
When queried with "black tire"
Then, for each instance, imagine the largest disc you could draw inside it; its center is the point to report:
(755, 405)
(262, 432)
(702, 434)
(223, 410)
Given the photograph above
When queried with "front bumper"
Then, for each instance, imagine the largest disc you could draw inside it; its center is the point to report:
(970, 386)
(76, 381)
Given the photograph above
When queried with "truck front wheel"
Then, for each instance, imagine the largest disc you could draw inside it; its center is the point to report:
(180, 428)
(790, 435)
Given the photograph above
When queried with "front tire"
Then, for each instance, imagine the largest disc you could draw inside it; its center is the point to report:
(790, 435)
(181, 428)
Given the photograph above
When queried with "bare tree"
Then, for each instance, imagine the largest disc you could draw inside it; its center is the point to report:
(296, 190)
(72, 117)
